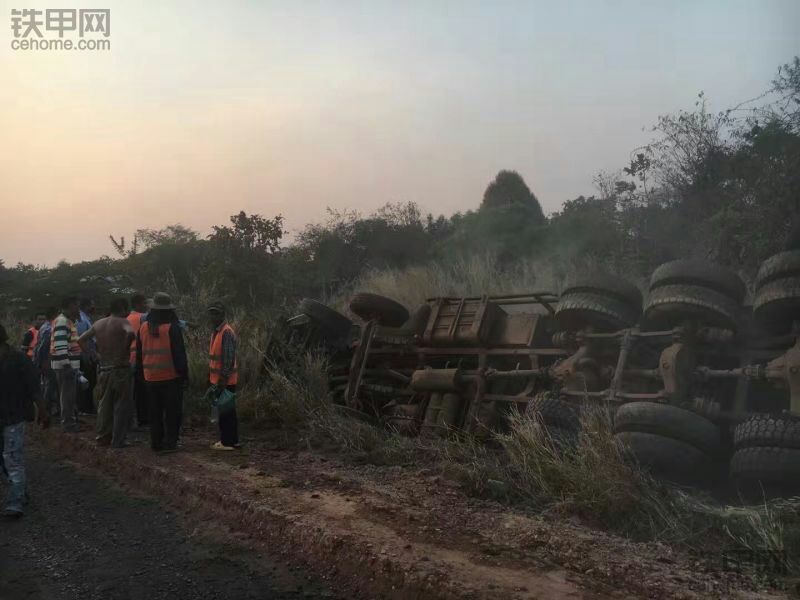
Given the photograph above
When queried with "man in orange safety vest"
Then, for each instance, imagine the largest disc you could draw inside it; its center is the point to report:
(223, 374)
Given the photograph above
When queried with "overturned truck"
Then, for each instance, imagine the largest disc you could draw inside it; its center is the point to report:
(695, 377)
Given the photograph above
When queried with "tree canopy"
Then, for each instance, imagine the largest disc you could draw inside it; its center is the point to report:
(509, 190)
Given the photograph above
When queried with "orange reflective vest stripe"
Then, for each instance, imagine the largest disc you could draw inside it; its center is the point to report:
(35, 333)
(215, 358)
(157, 354)
(135, 319)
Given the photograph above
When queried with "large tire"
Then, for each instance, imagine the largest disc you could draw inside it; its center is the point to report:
(415, 325)
(699, 273)
(577, 310)
(555, 412)
(777, 304)
(664, 456)
(333, 321)
(668, 421)
(779, 266)
(605, 284)
(385, 311)
(779, 431)
(769, 466)
(670, 305)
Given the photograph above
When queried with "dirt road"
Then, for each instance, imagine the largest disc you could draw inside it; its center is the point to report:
(373, 532)
(86, 538)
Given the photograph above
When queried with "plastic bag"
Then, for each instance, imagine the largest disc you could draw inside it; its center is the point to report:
(223, 401)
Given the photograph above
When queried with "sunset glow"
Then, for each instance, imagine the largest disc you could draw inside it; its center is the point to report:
(200, 110)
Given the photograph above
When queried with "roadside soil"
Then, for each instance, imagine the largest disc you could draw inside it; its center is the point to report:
(395, 532)
(83, 537)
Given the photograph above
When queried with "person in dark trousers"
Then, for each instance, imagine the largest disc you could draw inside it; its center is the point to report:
(41, 360)
(138, 393)
(161, 360)
(65, 360)
(114, 336)
(85, 400)
(19, 390)
(223, 374)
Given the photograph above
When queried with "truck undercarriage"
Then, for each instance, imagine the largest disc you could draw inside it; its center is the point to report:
(693, 376)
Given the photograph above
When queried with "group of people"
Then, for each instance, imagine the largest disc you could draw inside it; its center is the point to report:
(134, 364)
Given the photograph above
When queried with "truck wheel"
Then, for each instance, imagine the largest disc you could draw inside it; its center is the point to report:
(779, 266)
(605, 284)
(766, 465)
(702, 274)
(555, 412)
(670, 305)
(777, 304)
(333, 321)
(668, 421)
(385, 311)
(577, 310)
(663, 456)
(779, 431)
(415, 324)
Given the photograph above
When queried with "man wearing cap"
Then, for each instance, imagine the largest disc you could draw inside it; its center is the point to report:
(222, 374)
(161, 359)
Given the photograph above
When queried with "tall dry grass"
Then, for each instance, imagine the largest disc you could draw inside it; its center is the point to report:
(463, 276)
(478, 274)
(593, 480)
(16, 325)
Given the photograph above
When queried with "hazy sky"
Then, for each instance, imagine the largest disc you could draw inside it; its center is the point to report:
(201, 109)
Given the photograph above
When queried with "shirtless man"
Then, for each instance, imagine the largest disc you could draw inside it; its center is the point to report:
(114, 335)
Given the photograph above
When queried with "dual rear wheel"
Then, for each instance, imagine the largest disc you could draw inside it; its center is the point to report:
(767, 452)
(695, 291)
(667, 441)
(601, 301)
(776, 304)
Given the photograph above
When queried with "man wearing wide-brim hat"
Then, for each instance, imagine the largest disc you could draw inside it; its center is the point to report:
(161, 360)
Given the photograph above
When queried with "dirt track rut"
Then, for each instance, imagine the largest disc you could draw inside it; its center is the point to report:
(397, 532)
(85, 538)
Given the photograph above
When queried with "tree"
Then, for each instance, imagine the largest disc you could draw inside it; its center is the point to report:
(250, 233)
(787, 86)
(340, 249)
(122, 247)
(175, 234)
(399, 214)
(171, 234)
(510, 190)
